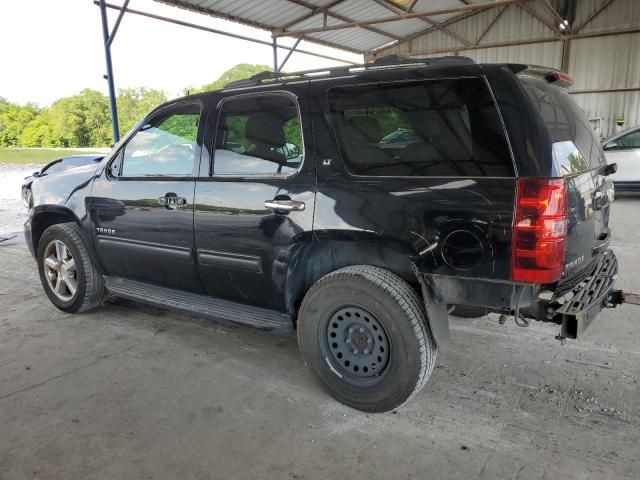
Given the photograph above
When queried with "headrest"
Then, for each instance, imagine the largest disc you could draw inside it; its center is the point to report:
(265, 129)
(368, 127)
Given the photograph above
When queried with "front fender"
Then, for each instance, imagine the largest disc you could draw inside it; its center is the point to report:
(68, 188)
(60, 198)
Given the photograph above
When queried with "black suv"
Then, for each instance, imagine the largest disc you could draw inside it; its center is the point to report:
(358, 205)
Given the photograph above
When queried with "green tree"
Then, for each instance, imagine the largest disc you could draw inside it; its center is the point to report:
(13, 119)
(79, 121)
(84, 120)
(38, 132)
(135, 103)
(239, 72)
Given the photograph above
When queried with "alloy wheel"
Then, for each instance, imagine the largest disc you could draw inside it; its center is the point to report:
(60, 270)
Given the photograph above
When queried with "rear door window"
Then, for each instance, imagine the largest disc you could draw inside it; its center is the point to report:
(447, 128)
(258, 135)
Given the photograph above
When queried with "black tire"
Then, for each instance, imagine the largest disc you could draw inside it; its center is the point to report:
(464, 311)
(390, 306)
(89, 291)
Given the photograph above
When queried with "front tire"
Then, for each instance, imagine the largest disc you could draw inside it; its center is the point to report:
(68, 275)
(363, 332)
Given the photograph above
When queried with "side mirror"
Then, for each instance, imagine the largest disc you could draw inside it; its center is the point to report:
(35, 174)
(609, 169)
(610, 146)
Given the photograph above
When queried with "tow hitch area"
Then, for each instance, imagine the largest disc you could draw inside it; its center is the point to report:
(618, 297)
(589, 297)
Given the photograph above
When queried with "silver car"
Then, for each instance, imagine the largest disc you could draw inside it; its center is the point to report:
(624, 149)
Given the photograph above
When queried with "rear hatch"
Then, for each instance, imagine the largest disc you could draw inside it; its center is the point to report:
(579, 159)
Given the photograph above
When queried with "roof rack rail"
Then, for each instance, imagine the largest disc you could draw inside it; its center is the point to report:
(386, 62)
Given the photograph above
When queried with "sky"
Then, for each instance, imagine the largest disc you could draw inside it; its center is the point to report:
(53, 48)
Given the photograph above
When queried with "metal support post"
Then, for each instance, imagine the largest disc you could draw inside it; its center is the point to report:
(291, 50)
(274, 45)
(109, 76)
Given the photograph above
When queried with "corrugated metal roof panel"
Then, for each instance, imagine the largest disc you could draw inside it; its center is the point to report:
(268, 14)
(357, 38)
(296, 14)
(362, 10)
(618, 15)
(605, 62)
(547, 54)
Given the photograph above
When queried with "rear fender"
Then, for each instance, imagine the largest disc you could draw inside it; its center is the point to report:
(312, 260)
(437, 311)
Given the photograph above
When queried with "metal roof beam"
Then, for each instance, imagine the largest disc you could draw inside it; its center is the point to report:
(229, 34)
(289, 53)
(554, 12)
(395, 18)
(234, 18)
(594, 15)
(312, 13)
(426, 31)
(327, 12)
(540, 18)
(112, 35)
(532, 41)
(399, 10)
(491, 24)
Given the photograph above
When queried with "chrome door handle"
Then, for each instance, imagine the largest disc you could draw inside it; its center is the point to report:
(284, 205)
(171, 201)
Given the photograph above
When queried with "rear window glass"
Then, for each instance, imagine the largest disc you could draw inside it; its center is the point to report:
(576, 147)
(258, 135)
(447, 128)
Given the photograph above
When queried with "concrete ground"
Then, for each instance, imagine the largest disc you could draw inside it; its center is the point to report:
(132, 392)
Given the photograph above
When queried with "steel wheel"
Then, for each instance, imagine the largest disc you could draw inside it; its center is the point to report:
(357, 345)
(60, 270)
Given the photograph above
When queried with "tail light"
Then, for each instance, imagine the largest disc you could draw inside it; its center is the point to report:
(559, 78)
(539, 230)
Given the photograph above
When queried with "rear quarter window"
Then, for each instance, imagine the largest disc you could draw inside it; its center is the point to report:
(427, 128)
(576, 148)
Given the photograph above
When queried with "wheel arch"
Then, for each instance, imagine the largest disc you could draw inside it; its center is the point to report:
(322, 254)
(45, 216)
(316, 257)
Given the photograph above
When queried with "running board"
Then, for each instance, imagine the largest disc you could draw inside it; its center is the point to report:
(199, 305)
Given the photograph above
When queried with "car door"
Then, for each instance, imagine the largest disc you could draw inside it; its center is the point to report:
(257, 201)
(625, 151)
(141, 204)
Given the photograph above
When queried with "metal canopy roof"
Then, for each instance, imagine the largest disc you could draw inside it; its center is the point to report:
(358, 26)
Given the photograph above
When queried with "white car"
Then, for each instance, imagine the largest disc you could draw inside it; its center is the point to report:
(624, 149)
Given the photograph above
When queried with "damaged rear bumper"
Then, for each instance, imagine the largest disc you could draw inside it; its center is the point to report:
(583, 303)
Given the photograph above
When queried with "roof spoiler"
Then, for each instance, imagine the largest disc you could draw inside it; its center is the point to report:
(550, 74)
